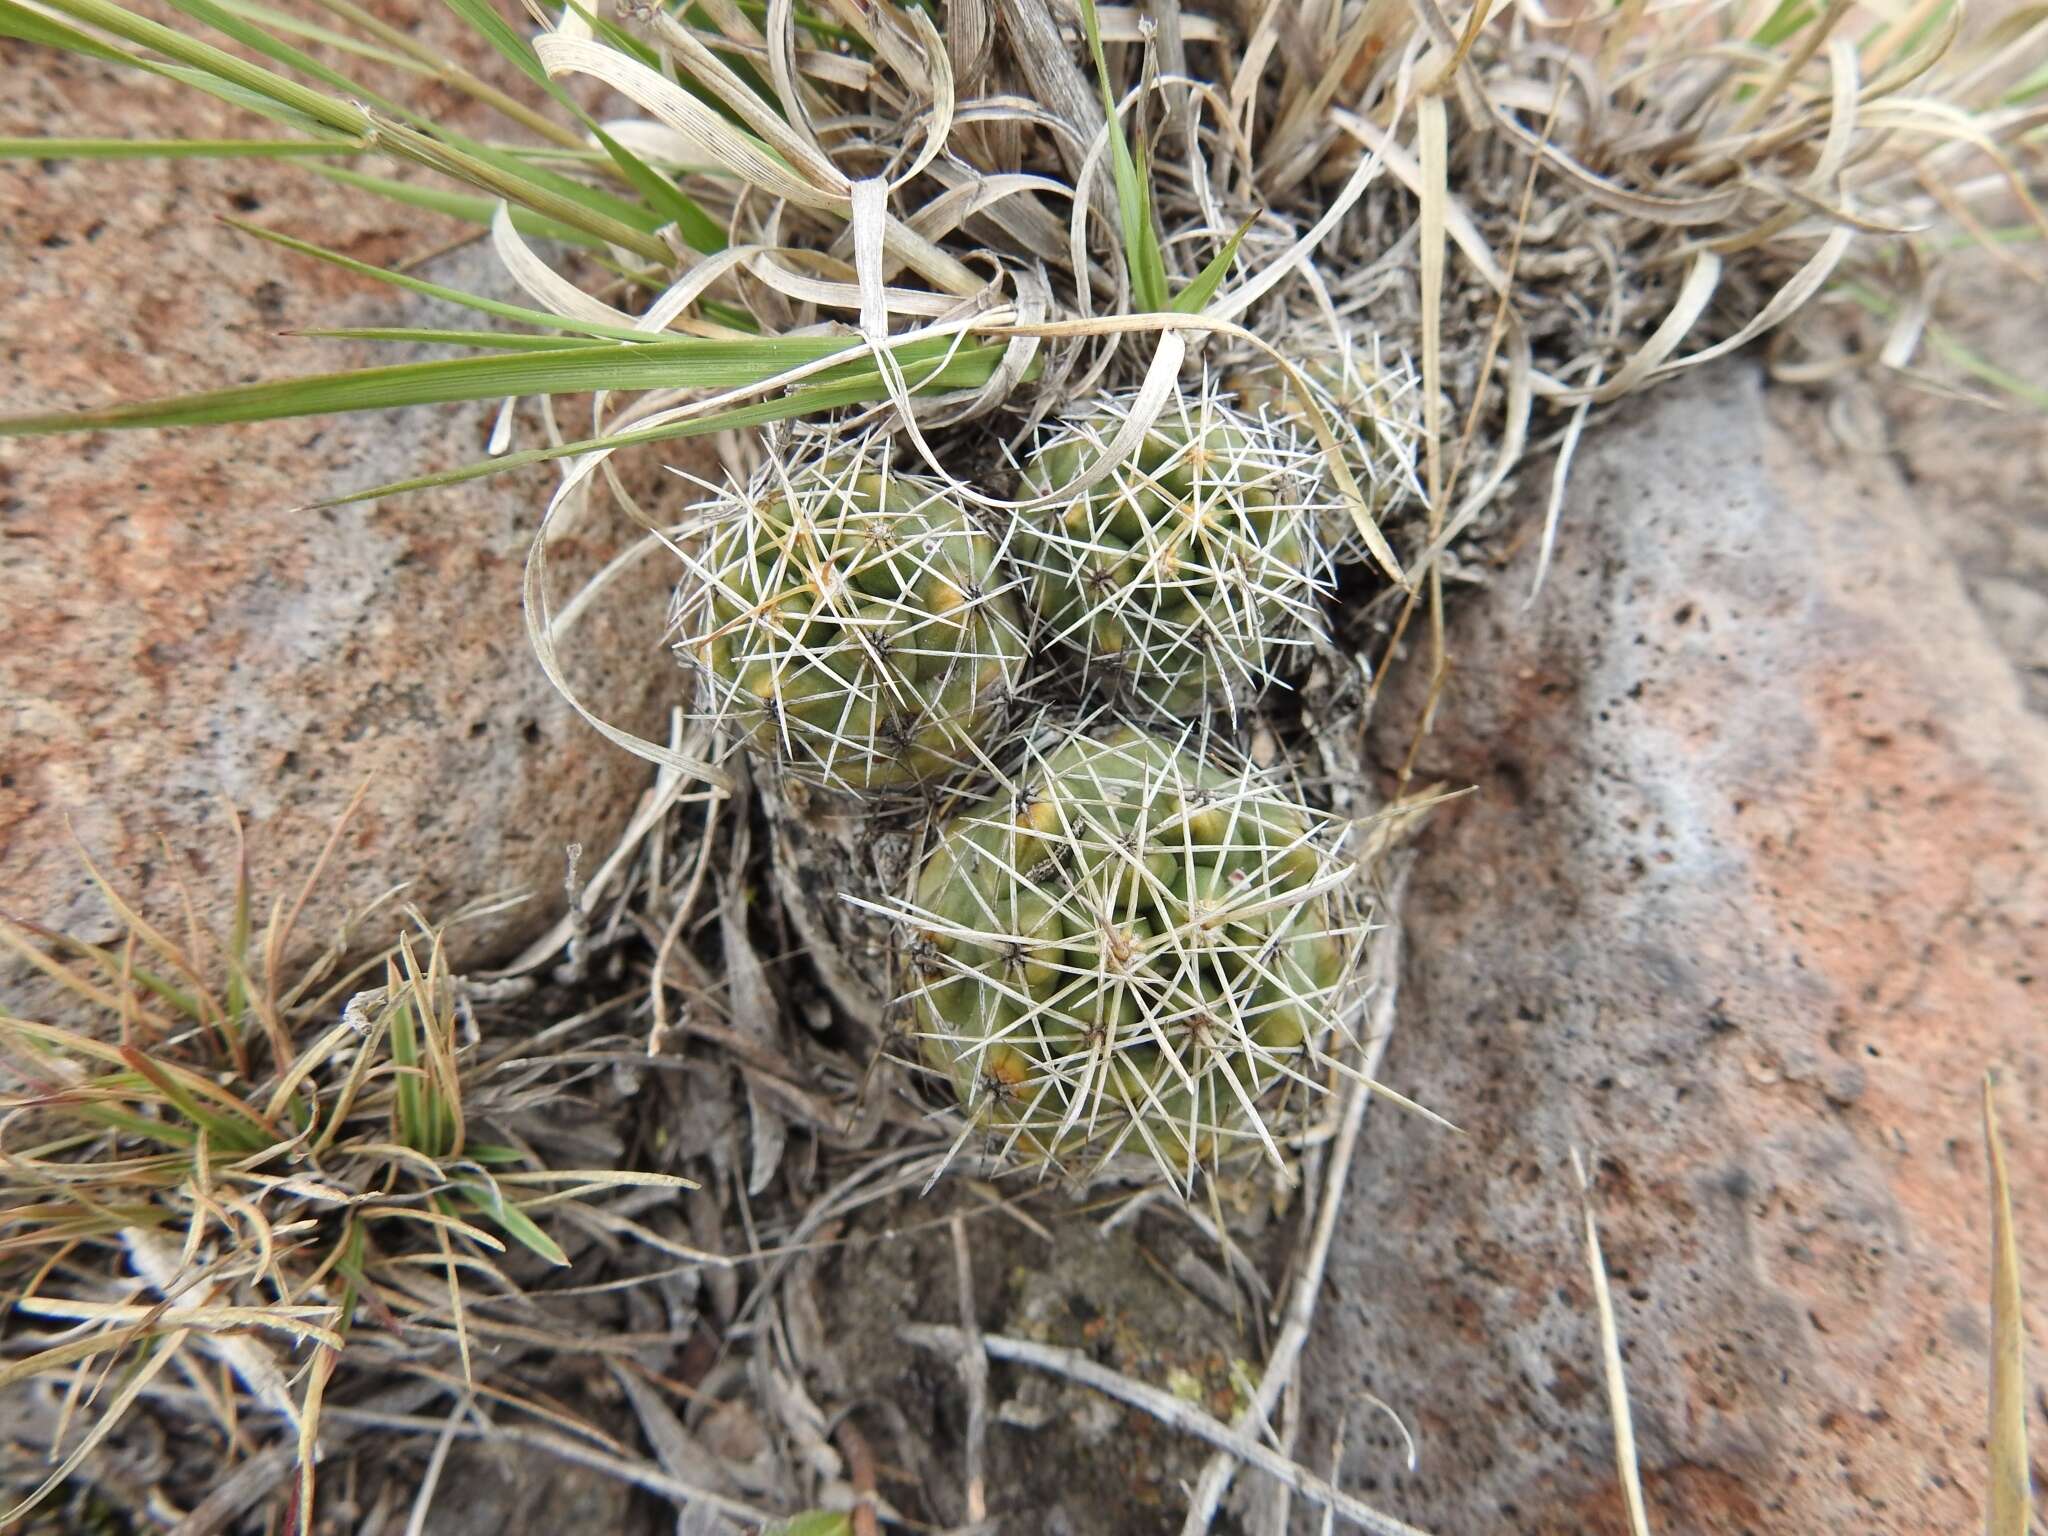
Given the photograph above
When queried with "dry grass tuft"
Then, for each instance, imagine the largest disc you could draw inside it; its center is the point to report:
(260, 1179)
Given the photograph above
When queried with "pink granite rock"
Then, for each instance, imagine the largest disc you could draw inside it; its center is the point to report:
(178, 639)
(1752, 891)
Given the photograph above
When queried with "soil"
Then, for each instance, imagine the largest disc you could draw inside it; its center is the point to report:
(1061, 1460)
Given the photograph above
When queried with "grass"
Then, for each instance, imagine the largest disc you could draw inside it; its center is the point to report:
(1743, 167)
(218, 1166)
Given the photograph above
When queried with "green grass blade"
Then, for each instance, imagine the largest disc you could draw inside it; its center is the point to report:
(817, 1522)
(517, 1223)
(172, 149)
(411, 284)
(1134, 202)
(162, 1132)
(173, 44)
(969, 369)
(28, 26)
(616, 36)
(258, 40)
(280, 21)
(1956, 352)
(240, 97)
(695, 225)
(622, 210)
(405, 1055)
(499, 33)
(482, 341)
(236, 1131)
(610, 219)
(1202, 287)
(1784, 22)
(238, 942)
(467, 206)
(680, 363)
(113, 966)
(810, 21)
(15, 21)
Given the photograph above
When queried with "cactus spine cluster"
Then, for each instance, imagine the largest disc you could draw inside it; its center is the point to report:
(1372, 406)
(853, 623)
(1186, 577)
(1130, 949)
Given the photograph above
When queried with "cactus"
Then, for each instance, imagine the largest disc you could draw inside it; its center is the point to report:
(852, 623)
(1372, 406)
(1132, 947)
(1187, 577)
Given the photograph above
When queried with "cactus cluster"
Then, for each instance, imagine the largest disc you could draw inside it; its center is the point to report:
(1188, 574)
(852, 622)
(1133, 946)
(1130, 948)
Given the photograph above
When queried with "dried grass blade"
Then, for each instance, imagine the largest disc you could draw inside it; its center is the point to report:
(1560, 476)
(713, 140)
(1687, 306)
(1610, 1359)
(1433, 188)
(2009, 1500)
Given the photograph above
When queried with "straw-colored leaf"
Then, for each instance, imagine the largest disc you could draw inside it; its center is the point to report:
(2009, 1500)
(1610, 1359)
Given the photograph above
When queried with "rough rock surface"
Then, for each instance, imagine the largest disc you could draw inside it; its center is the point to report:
(178, 639)
(1751, 892)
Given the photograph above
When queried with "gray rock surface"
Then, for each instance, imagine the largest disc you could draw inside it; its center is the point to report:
(1751, 893)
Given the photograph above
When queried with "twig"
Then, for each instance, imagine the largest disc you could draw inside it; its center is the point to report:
(1170, 1411)
(860, 1469)
(973, 1364)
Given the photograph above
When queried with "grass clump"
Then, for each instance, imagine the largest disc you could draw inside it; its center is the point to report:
(253, 1173)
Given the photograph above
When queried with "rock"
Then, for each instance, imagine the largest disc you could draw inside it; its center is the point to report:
(181, 640)
(1751, 893)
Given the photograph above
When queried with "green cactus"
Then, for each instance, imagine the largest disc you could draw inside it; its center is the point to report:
(850, 622)
(1187, 577)
(1131, 948)
(1374, 409)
